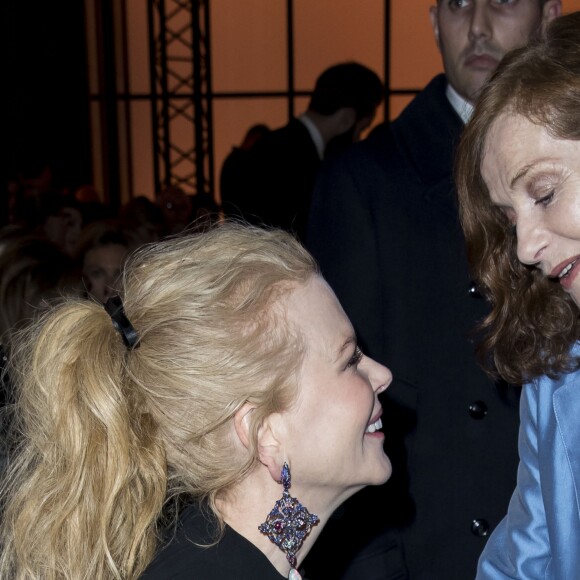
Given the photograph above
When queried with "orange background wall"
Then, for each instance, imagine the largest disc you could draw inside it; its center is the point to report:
(249, 50)
(249, 54)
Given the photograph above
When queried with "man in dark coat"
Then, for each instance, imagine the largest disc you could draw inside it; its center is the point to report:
(275, 185)
(384, 228)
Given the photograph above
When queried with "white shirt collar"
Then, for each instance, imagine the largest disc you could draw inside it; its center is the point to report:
(314, 133)
(462, 107)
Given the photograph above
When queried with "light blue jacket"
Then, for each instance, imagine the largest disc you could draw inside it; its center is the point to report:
(540, 536)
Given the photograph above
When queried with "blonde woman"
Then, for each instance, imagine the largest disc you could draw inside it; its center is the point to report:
(155, 432)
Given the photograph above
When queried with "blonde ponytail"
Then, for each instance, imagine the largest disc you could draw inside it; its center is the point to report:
(106, 435)
(93, 471)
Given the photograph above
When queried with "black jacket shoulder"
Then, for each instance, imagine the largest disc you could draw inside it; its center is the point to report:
(192, 552)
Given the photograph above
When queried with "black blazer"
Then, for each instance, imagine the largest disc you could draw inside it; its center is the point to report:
(385, 230)
(232, 558)
(273, 181)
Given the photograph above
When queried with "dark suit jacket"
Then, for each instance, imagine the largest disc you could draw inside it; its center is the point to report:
(384, 228)
(276, 182)
(192, 553)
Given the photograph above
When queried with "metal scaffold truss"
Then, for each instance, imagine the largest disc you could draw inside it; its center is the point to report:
(181, 88)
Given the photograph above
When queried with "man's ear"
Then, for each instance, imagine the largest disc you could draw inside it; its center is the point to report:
(435, 23)
(345, 119)
(551, 9)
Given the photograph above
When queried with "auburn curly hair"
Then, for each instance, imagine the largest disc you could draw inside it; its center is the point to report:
(533, 322)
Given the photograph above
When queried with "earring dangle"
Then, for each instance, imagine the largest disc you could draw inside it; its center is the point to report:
(288, 524)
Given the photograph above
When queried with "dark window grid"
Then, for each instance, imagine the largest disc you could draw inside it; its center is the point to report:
(208, 96)
(226, 95)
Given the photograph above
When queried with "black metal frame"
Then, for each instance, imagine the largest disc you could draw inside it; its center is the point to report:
(177, 98)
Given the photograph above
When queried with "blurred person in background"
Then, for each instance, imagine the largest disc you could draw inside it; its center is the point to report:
(275, 184)
(176, 207)
(102, 250)
(143, 220)
(33, 272)
(233, 166)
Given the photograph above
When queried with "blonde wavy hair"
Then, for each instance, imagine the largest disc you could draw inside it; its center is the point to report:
(106, 435)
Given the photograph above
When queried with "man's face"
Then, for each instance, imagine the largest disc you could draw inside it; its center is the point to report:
(474, 35)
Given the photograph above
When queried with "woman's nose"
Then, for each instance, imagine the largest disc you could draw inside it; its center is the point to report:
(532, 239)
(379, 375)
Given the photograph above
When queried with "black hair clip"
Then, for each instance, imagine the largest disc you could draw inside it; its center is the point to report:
(114, 308)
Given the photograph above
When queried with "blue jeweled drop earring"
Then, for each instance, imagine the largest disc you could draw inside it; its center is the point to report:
(288, 524)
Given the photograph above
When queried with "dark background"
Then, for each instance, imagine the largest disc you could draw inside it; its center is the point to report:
(46, 115)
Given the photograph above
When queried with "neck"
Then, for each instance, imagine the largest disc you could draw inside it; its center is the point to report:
(326, 125)
(463, 107)
(248, 505)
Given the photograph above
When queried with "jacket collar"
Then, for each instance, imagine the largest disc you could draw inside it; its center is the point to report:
(429, 130)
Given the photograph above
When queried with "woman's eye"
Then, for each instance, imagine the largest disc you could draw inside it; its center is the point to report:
(546, 199)
(355, 358)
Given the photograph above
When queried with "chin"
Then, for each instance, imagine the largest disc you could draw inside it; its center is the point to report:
(382, 472)
(388, 471)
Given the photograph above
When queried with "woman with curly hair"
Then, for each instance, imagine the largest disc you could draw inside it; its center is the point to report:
(518, 177)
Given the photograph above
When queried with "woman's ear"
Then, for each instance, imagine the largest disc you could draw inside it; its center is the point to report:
(269, 444)
(242, 423)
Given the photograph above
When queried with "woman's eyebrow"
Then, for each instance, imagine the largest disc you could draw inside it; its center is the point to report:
(351, 340)
(521, 173)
